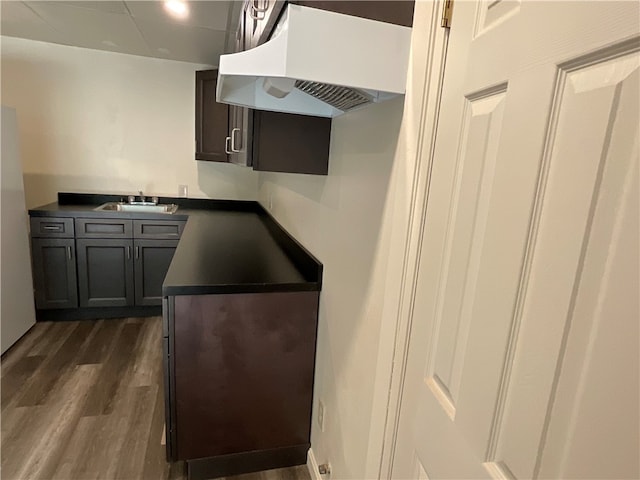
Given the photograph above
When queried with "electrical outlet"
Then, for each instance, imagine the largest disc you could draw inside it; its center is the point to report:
(321, 415)
(324, 470)
(183, 191)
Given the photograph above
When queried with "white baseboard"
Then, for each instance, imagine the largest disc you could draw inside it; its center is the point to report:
(312, 466)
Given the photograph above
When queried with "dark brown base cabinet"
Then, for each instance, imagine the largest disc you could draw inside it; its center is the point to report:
(112, 264)
(239, 372)
(152, 260)
(54, 272)
(105, 272)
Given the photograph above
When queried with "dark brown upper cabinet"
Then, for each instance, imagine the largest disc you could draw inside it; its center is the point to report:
(212, 119)
(259, 17)
(398, 12)
(286, 142)
(272, 141)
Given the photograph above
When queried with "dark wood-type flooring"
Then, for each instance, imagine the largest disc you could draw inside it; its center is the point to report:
(84, 400)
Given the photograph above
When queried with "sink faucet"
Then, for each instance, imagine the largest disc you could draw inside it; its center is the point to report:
(142, 197)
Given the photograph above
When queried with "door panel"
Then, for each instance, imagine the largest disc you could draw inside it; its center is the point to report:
(531, 186)
(212, 120)
(105, 272)
(153, 258)
(571, 185)
(54, 273)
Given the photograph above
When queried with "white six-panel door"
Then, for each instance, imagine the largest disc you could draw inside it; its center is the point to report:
(523, 359)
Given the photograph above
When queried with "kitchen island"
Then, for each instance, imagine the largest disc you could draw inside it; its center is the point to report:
(240, 310)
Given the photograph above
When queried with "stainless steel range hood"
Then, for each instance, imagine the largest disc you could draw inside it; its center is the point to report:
(318, 63)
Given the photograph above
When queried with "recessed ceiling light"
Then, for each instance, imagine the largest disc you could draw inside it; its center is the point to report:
(177, 8)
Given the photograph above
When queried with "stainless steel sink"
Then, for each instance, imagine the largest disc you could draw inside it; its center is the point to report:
(148, 207)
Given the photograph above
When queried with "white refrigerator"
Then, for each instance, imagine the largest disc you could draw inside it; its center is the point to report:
(17, 311)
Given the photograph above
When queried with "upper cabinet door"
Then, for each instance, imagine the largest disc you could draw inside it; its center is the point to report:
(212, 119)
(398, 12)
(260, 17)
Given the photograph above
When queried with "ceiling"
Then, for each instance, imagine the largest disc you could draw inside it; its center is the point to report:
(134, 27)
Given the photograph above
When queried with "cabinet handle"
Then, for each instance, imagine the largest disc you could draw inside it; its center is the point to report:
(69, 253)
(128, 253)
(226, 146)
(137, 252)
(255, 6)
(233, 140)
(256, 13)
(49, 227)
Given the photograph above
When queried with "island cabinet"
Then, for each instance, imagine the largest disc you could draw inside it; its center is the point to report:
(239, 380)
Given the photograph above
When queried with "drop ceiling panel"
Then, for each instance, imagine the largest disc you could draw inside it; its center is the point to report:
(109, 7)
(93, 28)
(208, 14)
(18, 20)
(180, 42)
(134, 27)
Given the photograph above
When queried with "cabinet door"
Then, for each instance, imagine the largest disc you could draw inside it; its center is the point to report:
(399, 12)
(54, 273)
(153, 258)
(260, 17)
(286, 142)
(242, 375)
(105, 272)
(241, 130)
(212, 122)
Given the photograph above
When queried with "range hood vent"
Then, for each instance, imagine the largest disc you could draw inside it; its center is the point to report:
(342, 98)
(318, 63)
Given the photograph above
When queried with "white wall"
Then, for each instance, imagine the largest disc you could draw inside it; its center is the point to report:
(94, 121)
(355, 220)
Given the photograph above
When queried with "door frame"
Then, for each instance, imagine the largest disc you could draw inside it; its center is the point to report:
(427, 19)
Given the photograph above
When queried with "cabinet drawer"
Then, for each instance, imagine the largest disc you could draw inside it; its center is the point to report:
(103, 228)
(52, 227)
(171, 229)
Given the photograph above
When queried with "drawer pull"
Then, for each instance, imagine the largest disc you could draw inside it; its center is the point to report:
(233, 140)
(52, 227)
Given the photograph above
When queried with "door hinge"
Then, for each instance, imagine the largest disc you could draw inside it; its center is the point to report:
(447, 11)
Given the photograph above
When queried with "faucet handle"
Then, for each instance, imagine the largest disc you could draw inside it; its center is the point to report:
(131, 198)
(154, 200)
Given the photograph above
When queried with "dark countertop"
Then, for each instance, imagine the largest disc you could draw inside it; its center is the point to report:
(226, 246)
